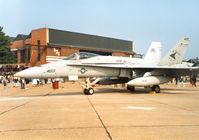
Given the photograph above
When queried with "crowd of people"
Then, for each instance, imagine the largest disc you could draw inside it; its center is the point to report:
(10, 69)
(183, 79)
(6, 75)
(12, 81)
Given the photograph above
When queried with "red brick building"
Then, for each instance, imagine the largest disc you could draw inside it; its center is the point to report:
(46, 45)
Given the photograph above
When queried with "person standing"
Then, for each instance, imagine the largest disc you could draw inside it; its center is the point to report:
(23, 83)
(4, 84)
(193, 80)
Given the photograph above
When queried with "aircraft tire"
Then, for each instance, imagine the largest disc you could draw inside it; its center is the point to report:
(156, 88)
(131, 88)
(85, 91)
(90, 91)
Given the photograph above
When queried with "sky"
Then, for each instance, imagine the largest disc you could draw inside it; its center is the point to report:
(141, 21)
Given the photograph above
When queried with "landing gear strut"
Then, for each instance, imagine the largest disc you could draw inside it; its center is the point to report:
(156, 88)
(87, 88)
(131, 88)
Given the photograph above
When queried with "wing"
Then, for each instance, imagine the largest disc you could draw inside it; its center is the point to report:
(154, 70)
(168, 71)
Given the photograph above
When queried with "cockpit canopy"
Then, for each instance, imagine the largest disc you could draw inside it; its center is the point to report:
(75, 56)
(81, 55)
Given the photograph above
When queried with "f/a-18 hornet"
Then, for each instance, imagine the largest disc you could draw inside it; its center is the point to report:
(148, 72)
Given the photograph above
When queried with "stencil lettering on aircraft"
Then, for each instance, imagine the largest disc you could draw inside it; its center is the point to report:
(51, 71)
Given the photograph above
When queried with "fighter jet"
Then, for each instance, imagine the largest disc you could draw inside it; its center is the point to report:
(149, 71)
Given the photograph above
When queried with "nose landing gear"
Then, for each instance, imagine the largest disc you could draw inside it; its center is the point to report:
(89, 91)
(87, 88)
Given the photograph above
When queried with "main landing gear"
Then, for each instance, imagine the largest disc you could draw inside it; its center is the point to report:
(130, 88)
(156, 88)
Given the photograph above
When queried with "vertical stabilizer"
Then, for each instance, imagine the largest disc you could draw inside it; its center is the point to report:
(176, 54)
(153, 54)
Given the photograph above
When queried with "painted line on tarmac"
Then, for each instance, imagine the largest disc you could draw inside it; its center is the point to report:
(175, 91)
(139, 108)
(13, 108)
(21, 98)
(21, 105)
(14, 98)
(50, 129)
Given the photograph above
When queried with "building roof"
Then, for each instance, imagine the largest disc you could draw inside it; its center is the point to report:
(20, 37)
(11, 38)
(86, 41)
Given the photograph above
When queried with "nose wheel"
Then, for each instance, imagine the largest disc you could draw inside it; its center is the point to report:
(89, 91)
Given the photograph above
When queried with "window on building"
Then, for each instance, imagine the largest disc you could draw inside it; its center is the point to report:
(39, 54)
(28, 53)
(22, 56)
(14, 54)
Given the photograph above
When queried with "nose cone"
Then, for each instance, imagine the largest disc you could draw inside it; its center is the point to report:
(34, 72)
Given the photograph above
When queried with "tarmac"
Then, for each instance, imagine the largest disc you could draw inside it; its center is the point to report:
(112, 113)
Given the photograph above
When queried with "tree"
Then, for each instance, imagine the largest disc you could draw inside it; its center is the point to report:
(6, 56)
